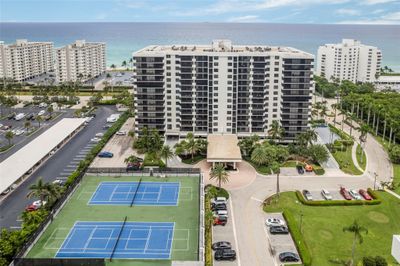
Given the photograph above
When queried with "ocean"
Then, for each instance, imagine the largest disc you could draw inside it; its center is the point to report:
(124, 38)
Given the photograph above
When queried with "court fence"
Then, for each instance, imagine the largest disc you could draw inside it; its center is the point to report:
(19, 259)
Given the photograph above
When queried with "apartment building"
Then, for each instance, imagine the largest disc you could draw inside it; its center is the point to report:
(80, 61)
(24, 60)
(222, 88)
(349, 60)
(388, 82)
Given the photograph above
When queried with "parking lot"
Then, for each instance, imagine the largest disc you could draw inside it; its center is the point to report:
(21, 132)
(120, 146)
(316, 194)
(226, 233)
(279, 243)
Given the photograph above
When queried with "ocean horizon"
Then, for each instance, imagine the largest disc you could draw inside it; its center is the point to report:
(124, 38)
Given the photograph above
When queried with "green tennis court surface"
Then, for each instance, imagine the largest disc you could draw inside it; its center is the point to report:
(185, 216)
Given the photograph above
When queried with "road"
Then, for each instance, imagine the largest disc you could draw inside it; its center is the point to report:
(61, 164)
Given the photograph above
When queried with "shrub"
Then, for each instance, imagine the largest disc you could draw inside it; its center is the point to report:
(374, 261)
(152, 159)
(107, 102)
(318, 170)
(376, 200)
(394, 154)
(380, 261)
(298, 238)
(214, 192)
(208, 234)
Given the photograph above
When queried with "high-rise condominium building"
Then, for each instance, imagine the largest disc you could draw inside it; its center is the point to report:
(222, 88)
(80, 61)
(24, 60)
(349, 60)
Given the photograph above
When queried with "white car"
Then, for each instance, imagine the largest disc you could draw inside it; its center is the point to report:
(355, 194)
(326, 194)
(274, 222)
(39, 203)
(19, 132)
(19, 116)
(220, 213)
(88, 119)
(59, 182)
(219, 200)
(99, 135)
(95, 139)
(121, 133)
(43, 105)
(42, 112)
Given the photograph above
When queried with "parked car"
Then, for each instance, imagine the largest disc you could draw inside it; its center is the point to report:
(7, 127)
(308, 168)
(278, 230)
(107, 126)
(9, 189)
(221, 245)
(106, 154)
(134, 166)
(11, 116)
(307, 195)
(35, 205)
(95, 139)
(121, 133)
(18, 132)
(288, 257)
(59, 182)
(274, 222)
(220, 213)
(300, 169)
(43, 105)
(41, 112)
(326, 194)
(355, 194)
(365, 194)
(19, 116)
(88, 119)
(225, 254)
(218, 207)
(29, 117)
(219, 200)
(99, 135)
(220, 221)
(345, 193)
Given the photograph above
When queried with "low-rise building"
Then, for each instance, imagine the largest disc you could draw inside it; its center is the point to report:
(391, 82)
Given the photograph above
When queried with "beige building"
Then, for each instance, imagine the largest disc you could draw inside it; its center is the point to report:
(80, 61)
(24, 60)
(349, 60)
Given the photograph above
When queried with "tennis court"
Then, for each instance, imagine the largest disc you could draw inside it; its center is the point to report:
(136, 193)
(124, 240)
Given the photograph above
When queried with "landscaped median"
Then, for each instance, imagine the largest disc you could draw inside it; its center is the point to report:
(318, 232)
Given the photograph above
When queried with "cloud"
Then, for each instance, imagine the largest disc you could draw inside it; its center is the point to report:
(349, 12)
(249, 18)
(376, 2)
(387, 19)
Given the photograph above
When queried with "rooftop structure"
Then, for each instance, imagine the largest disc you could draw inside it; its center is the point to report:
(391, 82)
(223, 148)
(18, 164)
(222, 88)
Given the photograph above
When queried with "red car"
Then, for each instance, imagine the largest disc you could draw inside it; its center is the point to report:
(345, 193)
(221, 220)
(365, 194)
(31, 208)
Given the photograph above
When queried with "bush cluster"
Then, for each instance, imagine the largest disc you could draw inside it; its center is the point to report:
(318, 170)
(214, 192)
(376, 200)
(208, 233)
(298, 239)
(374, 261)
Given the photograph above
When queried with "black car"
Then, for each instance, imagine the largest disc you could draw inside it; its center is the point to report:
(221, 245)
(289, 257)
(300, 169)
(11, 116)
(225, 254)
(218, 207)
(278, 230)
(307, 195)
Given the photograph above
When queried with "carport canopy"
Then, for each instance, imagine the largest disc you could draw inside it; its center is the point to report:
(223, 148)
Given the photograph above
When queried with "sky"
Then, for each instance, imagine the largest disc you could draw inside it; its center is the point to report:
(243, 11)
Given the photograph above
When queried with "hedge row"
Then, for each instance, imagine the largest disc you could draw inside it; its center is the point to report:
(318, 170)
(107, 102)
(96, 149)
(376, 200)
(340, 133)
(298, 239)
(208, 234)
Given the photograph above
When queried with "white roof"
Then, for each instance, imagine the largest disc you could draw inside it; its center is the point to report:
(15, 166)
(223, 148)
(394, 78)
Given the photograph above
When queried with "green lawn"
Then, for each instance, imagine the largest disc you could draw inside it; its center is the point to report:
(361, 157)
(185, 215)
(323, 227)
(196, 158)
(345, 162)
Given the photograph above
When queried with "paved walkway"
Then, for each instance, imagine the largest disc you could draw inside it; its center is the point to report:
(354, 156)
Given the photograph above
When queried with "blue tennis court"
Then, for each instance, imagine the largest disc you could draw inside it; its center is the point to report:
(148, 193)
(138, 240)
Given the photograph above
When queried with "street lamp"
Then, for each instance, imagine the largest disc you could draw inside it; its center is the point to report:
(375, 176)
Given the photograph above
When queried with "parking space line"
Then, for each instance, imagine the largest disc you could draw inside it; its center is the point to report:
(234, 231)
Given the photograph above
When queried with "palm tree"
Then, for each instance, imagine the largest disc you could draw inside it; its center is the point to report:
(113, 66)
(50, 109)
(219, 173)
(191, 145)
(39, 119)
(323, 112)
(124, 63)
(276, 131)
(259, 156)
(44, 191)
(9, 136)
(27, 125)
(166, 153)
(276, 169)
(131, 62)
(357, 231)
